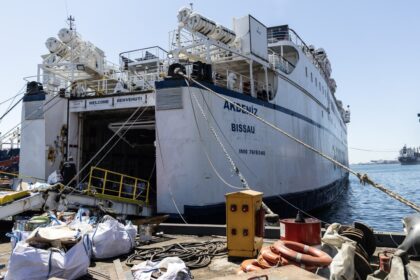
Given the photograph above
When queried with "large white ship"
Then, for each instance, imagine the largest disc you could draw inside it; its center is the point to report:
(144, 119)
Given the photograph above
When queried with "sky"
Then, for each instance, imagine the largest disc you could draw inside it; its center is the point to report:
(373, 47)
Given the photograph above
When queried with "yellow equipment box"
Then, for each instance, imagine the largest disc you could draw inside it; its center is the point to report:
(9, 196)
(244, 223)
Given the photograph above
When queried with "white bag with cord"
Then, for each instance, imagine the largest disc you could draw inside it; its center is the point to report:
(27, 262)
(111, 239)
(342, 266)
(343, 250)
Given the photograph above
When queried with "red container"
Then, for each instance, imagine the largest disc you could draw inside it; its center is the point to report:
(385, 261)
(308, 233)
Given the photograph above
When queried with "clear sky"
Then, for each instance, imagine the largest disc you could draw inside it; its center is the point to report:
(373, 47)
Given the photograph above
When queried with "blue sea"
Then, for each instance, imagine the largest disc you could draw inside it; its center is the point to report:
(370, 205)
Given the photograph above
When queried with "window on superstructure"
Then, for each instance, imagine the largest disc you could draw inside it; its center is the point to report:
(312, 78)
(306, 72)
(316, 82)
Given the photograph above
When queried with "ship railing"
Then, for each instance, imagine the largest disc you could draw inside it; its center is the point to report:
(192, 46)
(113, 185)
(146, 56)
(143, 81)
(292, 36)
(241, 83)
(131, 83)
(280, 63)
(184, 37)
(188, 46)
(95, 87)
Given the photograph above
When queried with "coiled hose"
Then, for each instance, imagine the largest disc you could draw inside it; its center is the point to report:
(194, 254)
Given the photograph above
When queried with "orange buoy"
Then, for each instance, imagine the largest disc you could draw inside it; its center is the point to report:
(263, 263)
(269, 255)
(250, 265)
(301, 253)
(311, 268)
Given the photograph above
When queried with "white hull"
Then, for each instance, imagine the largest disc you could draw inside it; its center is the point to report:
(271, 163)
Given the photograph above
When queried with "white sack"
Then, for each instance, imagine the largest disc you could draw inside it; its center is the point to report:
(55, 178)
(111, 239)
(27, 262)
(18, 235)
(342, 266)
(171, 267)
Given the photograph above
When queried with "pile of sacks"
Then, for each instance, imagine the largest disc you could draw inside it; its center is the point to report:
(64, 250)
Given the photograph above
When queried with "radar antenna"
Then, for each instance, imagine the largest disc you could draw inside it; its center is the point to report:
(70, 21)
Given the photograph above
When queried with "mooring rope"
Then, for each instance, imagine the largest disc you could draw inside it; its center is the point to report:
(235, 168)
(216, 136)
(364, 178)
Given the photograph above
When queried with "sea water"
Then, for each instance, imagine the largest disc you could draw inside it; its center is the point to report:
(372, 206)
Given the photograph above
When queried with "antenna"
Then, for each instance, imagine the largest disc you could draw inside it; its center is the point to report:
(192, 6)
(71, 20)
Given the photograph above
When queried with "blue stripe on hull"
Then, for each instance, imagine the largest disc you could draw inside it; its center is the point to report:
(307, 201)
(171, 83)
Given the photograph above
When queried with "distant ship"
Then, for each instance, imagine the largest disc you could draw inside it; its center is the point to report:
(409, 156)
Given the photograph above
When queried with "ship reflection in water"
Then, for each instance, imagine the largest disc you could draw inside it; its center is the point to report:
(366, 204)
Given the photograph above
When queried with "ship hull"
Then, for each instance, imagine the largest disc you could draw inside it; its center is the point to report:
(194, 172)
(409, 161)
(307, 201)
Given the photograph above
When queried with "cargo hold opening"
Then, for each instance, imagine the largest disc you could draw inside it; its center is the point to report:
(132, 152)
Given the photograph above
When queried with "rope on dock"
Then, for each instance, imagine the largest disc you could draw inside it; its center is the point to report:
(364, 179)
(194, 254)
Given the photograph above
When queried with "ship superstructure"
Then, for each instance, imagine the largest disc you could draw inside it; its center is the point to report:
(141, 118)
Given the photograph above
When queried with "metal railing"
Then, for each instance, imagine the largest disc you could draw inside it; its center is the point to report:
(290, 35)
(155, 53)
(241, 83)
(112, 185)
(281, 63)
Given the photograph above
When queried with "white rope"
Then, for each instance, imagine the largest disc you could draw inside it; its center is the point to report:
(21, 91)
(228, 157)
(207, 154)
(209, 109)
(213, 131)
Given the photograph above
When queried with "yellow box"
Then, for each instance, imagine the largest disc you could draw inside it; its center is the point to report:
(243, 223)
